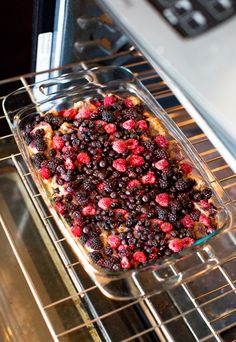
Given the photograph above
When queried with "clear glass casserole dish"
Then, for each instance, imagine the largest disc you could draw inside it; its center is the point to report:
(24, 104)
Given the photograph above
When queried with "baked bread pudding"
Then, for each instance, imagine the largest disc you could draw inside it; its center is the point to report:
(124, 188)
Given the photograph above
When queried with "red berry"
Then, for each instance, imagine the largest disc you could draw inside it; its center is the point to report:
(133, 183)
(129, 124)
(76, 231)
(70, 113)
(138, 150)
(100, 186)
(187, 221)
(83, 114)
(135, 160)
(122, 212)
(83, 158)
(60, 208)
(128, 103)
(119, 146)
(125, 263)
(110, 128)
(57, 142)
(131, 144)
(204, 204)
(205, 220)
(166, 227)
(100, 123)
(149, 178)
(45, 172)
(142, 124)
(186, 168)
(139, 256)
(187, 242)
(162, 199)
(175, 245)
(161, 141)
(113, 241)
(119, 165)
(69, 165)
(105, 203)
(109, 100)
(161, 164)
(89, 210)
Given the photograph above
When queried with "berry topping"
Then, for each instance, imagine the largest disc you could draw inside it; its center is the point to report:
(109, 100)
(89, 210)
(138, 150)
(83, 114)
(135, 160)
(161, 141)
(187, 221)
(149, 178)
(186, 168)
(162, 199)
(119, 165)
(161, 164)
(69, 113)
(45, 172)
(76, 231)
(128, 103)
(139, 256)
(83, 158)
(125, 263)
(205, 204)
(119, 146)
(110, 128)
(205, 220)
(57, 142)
(95, 244)
(129, 124)
(131, 144)
(113, 241)
(166, 227)
(105, 203)
(134, 183)
(69, 165)
(60, 208)
(142, 124)
(175, 245)
(187, 242)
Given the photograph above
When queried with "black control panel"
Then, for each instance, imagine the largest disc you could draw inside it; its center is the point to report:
(194, 17)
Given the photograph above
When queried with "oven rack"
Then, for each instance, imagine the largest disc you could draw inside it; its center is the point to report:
(199, 309)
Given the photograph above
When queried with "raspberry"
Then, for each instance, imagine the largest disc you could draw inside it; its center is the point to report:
(113, 241)
(89, 210)
(45, 172)
(186, 168)
(76, 231)
(133, 183)
(142, 124)
(161, 164)
(175, 245)
(129, 124)
(70, 113)
(60, 208)
(109, 100)
(149, 178)
(139, 150)
(122, 212)
(205, 220)
(187, 221)
(125, 263)
(83, 114)
(161, 141)
(162, 199)
(83, 158)
(95, 243)
(119, 146)
(110, 128)
(135, 160)
(128, 103)
(105, 203)
(205, 204)
(166, 227)
(187, 242)
(100, 186)
(131, 144)
(69, 165)
(139, 256)
(119, 165)
(57, 143)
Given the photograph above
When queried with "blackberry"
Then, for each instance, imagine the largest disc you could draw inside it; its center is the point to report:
(175, 206)
(88, 185)
(96, 244)
(163, 184)
(196, 195)
(160, 154)
(82, 198)
(195, 215)
(161, 214)
(172, 217)
(108, 116)
(53, 164)
(29, 127)
(108, 251)
(206, 193)
(52, 153)
(116, 267)
(39, 133)
(109, 186)
(129, 113)
(182, 185)
(149, 145)
(40, 145)
(95, 256)
(38, 158)
(27, 138)
(109, 262)
(84, 238)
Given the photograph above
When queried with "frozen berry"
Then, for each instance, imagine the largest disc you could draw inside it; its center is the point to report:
(119, 165)
(109, 100)
(205, 204)
(135, 160)
(100, 186)
(95, 243)
(205, 220)
(45, 172)
(149, 178)
(83, 158)
(133, 183)
(186, 168)
(142, 124)
(187, 242)
(138, 150)
(76, 231)
(162, 199)
(175, 245)
(105, 203)
(70, 113)
(187, 221)
(161, 164)
(60, 208)
(89, 210)
(57, 142)
(83, 114)
(131, 144)
(161, 141)
(110, 128)
(100, 123)
(166, 227)
(125, 263)
(69, 165)
(113, 241)
(119, 146)
(139, 256)
(128, 103)
(129, 124)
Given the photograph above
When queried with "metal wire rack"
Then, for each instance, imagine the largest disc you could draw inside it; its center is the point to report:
(204, 309)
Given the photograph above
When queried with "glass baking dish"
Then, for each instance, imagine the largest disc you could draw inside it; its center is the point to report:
(62, 92)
